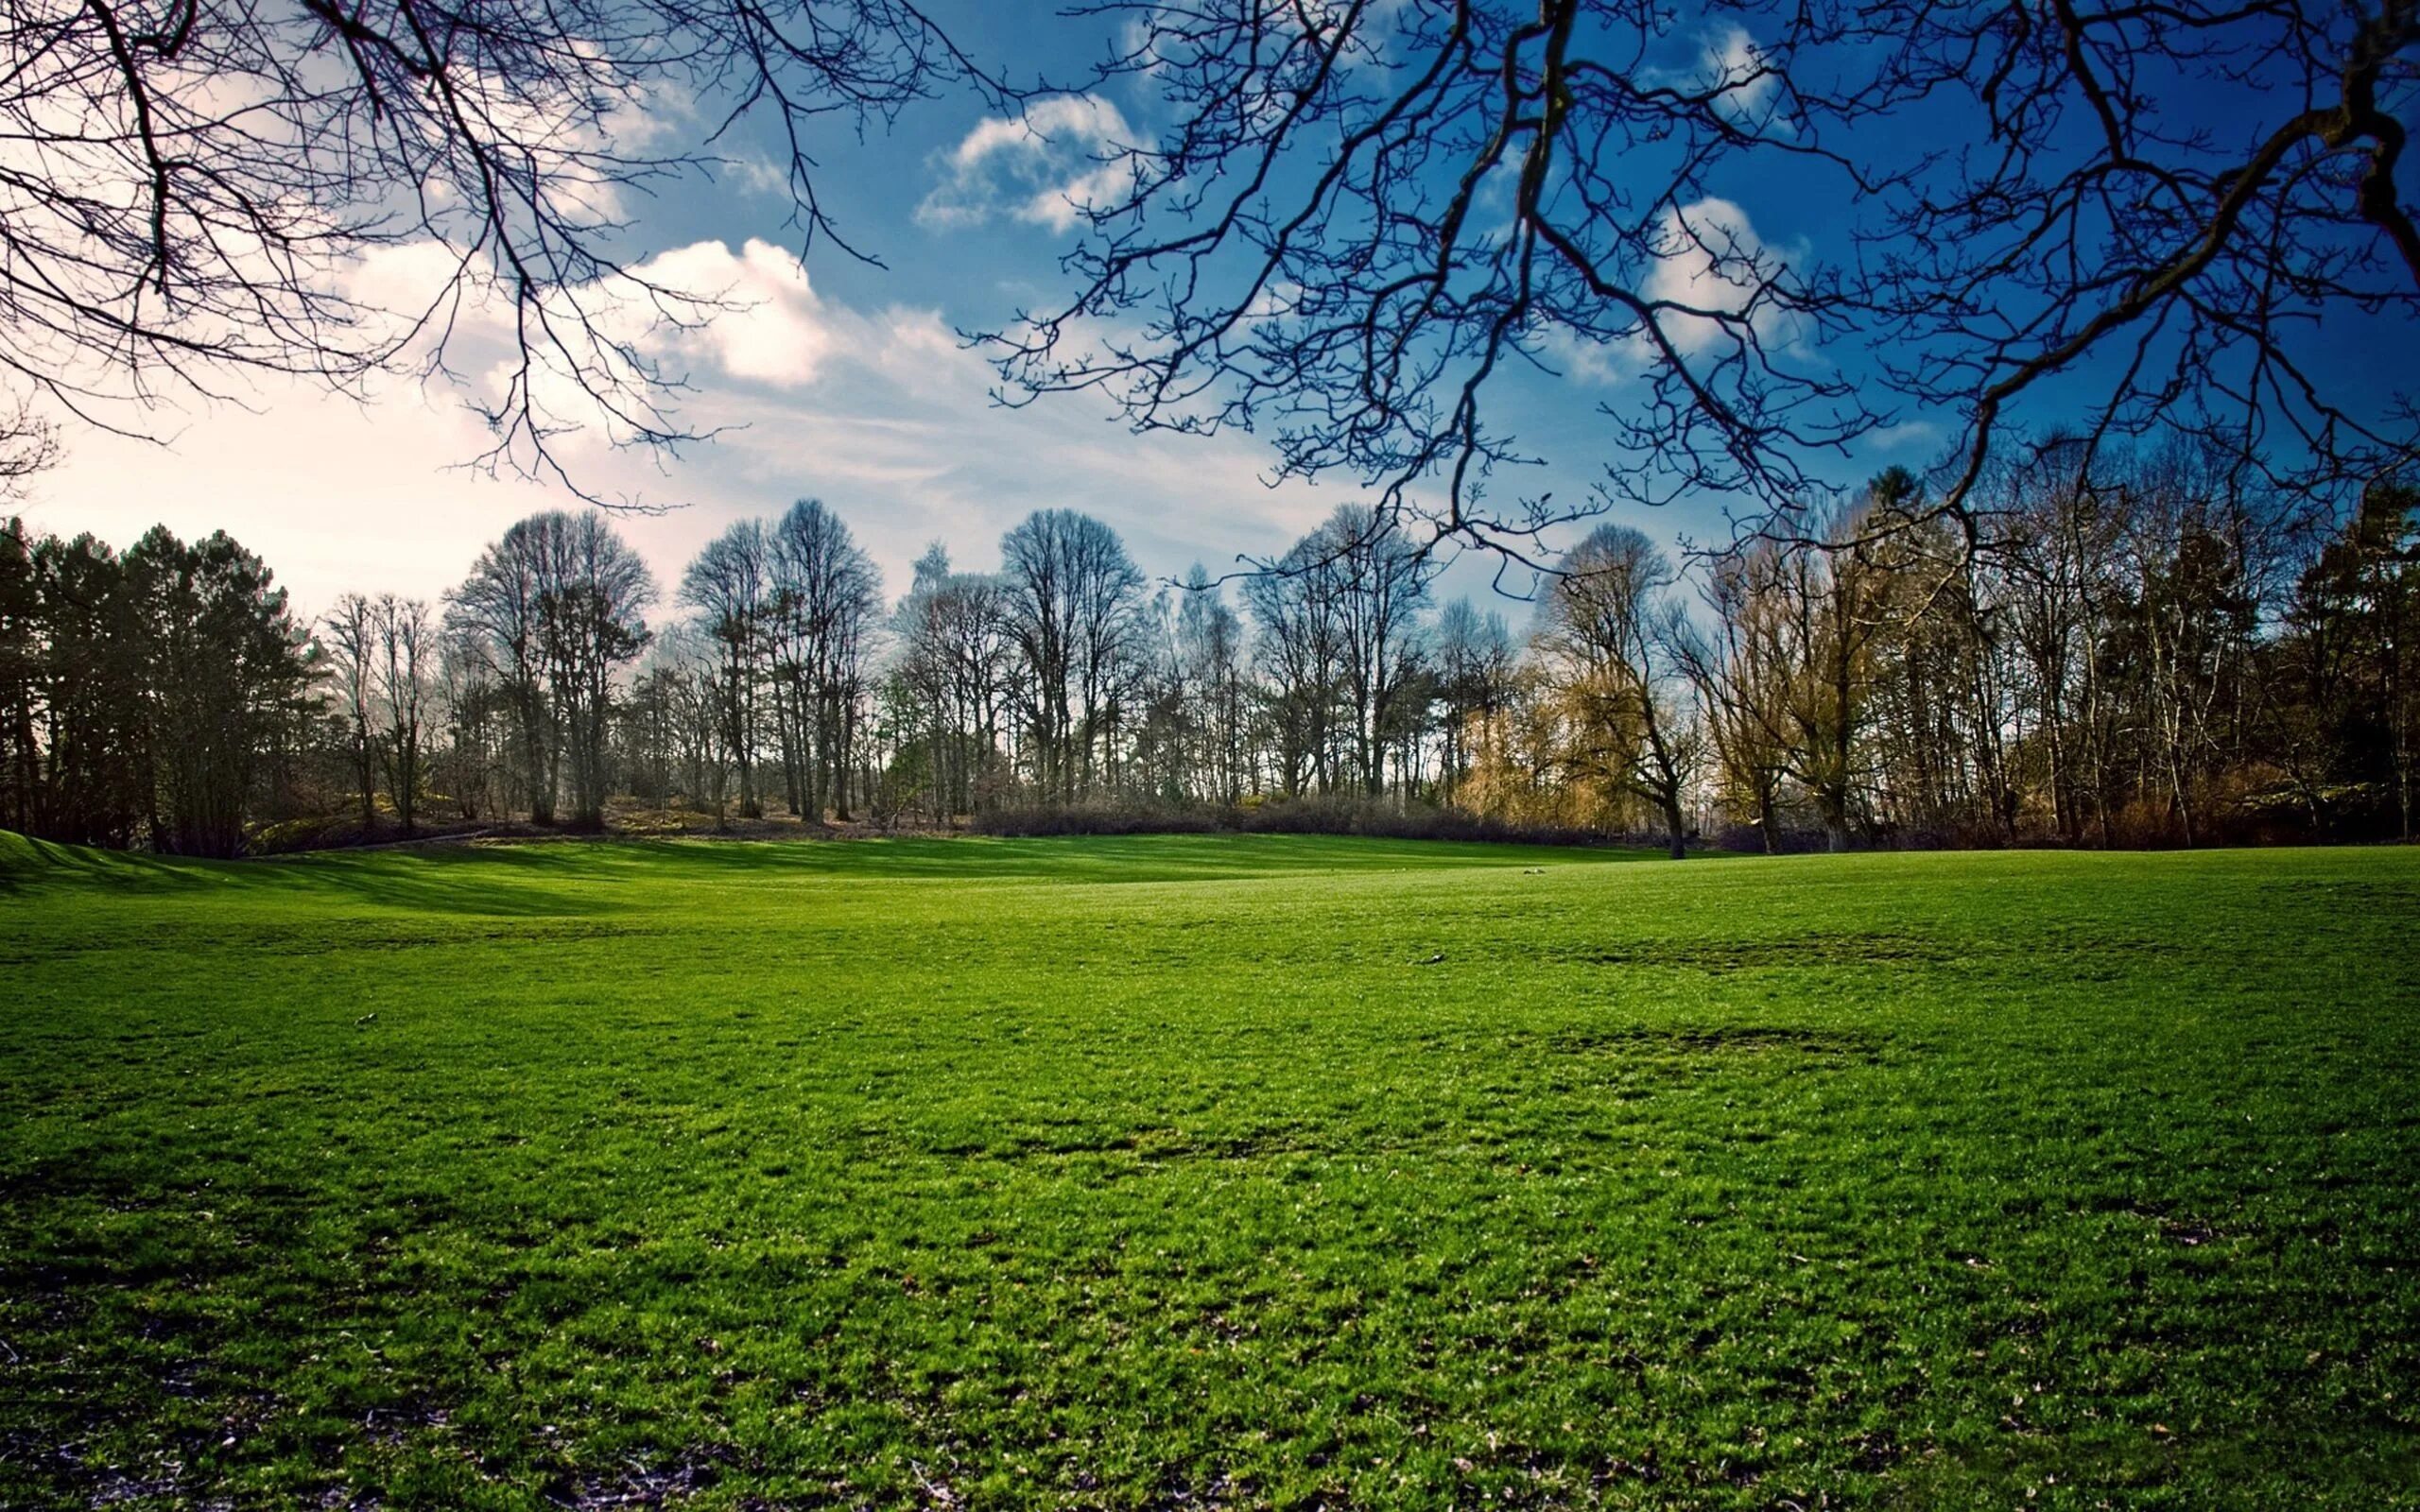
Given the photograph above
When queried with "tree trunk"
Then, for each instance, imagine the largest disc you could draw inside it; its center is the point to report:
(366, 766)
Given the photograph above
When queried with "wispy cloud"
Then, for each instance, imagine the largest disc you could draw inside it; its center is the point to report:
(1048, 167)
(1918, 435)
(878, 411)
(1708, 263)
(1710, 259)
(1750, 83)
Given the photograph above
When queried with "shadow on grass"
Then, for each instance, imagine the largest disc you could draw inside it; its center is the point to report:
(568, 876)
(1094, 858)
(503, 882)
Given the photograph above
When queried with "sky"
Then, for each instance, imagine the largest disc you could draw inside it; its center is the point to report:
(844, 382)
(840, 380)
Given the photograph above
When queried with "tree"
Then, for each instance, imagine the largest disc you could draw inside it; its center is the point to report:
(1475, 656)
(1298, 652)
(2356, 619)
(472, 764)
(730, 586)
(494, 617)
(351, 632)
(1381, 581)
(91, 688)
(407, 661)
(148, 693)
(220, 657)
(2181, 642)
(2169, 268)
(555, 609)
(1339, 644)
(678, 716)
(955, 650)
(1743, 676)
(2054, 576)
(1072, 595)
(593, 592)
(1211, 679)
(1841, 599)
(21, 663)
(1616, 632)
(28, 444)
(200, 187)
(826, 597)
(1361, 222)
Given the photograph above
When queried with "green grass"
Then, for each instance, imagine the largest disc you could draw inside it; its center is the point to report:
(1158, 1172)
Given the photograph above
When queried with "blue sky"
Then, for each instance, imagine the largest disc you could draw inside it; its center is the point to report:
(850, 386)
(886, 418)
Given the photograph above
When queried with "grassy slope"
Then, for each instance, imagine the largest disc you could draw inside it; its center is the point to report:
(1104, 1173)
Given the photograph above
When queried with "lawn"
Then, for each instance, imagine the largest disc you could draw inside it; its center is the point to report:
(1162, 1173)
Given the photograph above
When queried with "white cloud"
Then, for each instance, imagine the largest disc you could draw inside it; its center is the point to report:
(879, 412)
(1749, 81)
(1708, 263)
(1710, 259)
(756, 174)
(768, 325)
(644, 114)
(1137, 43)
(700, 310)
(1062, 157)
(1277, 299)
(1584, 358)
(1908, 436)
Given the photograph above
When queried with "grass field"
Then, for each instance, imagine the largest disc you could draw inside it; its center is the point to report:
(1162, 1173)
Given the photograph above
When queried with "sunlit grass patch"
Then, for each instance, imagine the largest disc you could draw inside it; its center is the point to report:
(1241, 1170)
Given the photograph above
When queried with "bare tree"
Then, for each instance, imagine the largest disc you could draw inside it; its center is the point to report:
(1838, 609)
(826, 598)
(194, 186)
(1363, 217)
(557, 608)
(730, 584)
(1743, 672)
(351, 629)
(2174, 209)
(594, 592)
(1612, 624)
(471, 763)
(1211, 680)
(495, 616)
(1362, 220)
(1475, 656)
(406, 644)
(1803, 627)
(954, 653)
(28, 444)
(681, 703)
(1298, 651)
(1072, 595)
(1381, 581)
(2054, 576)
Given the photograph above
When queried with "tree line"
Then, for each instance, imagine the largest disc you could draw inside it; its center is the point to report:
(165, 695)
(2171, 659)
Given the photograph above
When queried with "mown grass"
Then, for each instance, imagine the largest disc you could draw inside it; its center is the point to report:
(1156, 1173)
